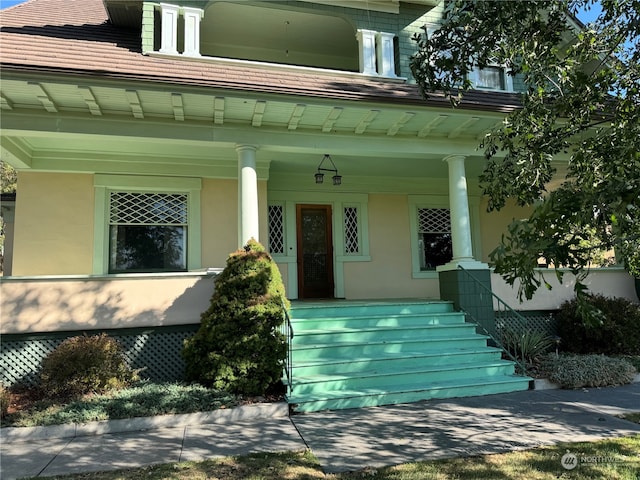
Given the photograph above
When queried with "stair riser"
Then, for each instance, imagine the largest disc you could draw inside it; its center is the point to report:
(373, 309)
(443, 345)
(392, 398)
(384, 335)
(391, 380)
(390, 321)
(348, 366)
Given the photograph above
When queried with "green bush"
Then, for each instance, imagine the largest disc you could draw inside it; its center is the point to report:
(238, 347)
(617, 334)
(4, 401)
(85, 364)
(576, 371)
(526, 345)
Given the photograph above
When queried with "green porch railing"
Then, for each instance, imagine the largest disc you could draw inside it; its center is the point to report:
(286, 329)
(501, 309)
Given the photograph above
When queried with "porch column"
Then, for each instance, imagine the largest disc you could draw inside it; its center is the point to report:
(192, 17)
(248, 223)
(169, 28)
(459, 210)
(466, 289)
(367, 51)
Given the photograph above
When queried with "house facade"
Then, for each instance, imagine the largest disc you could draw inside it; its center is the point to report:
(152, 139)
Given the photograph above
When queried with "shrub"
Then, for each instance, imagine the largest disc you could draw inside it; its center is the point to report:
(618, 332)
(4, 401)
(575, 371)
(238, 346)
(85, 364)
(526, 346)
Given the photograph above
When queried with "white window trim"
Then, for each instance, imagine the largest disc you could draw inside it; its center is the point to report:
(284, 229)
(104, 184)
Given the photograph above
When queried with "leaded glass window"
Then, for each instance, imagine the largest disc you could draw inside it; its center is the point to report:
(276, 229)
(434, 237)
(147, 232)
(351, 231)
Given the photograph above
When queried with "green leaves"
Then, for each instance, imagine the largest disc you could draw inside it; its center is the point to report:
(580, 115)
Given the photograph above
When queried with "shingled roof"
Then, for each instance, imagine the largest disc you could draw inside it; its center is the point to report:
(75, 37)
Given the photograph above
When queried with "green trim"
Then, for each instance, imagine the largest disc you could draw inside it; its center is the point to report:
(106, 183)
(148, 25)
(21, 337)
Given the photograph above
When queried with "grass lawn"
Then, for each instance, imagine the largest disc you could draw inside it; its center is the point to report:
(612, 459)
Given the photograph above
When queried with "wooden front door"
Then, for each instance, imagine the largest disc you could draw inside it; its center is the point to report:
(315, 251)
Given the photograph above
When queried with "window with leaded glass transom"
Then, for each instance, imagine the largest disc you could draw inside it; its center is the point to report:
(434, 237)
(147, 232)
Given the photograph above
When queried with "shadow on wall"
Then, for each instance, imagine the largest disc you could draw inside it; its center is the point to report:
(149, 317)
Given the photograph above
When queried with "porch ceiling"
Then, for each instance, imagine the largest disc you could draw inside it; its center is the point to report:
(64, 125)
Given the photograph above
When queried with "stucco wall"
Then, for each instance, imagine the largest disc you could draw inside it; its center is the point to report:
(388, 274)
(59, 304)
(494, 224)
(54, 224)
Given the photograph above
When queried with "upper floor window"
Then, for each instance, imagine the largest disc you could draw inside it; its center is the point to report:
(491, 78)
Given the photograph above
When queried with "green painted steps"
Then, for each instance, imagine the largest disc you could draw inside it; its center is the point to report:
(349, 354)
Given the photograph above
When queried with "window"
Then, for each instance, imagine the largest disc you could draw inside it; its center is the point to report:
(276, 229)
(351, 231)
(147, 232)
(491, 78)
(434, 237)
(146, 224)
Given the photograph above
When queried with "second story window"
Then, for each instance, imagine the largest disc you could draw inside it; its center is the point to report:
(491, 78)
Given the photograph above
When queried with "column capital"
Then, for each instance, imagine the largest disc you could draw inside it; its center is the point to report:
(451, 158)
(242, 147)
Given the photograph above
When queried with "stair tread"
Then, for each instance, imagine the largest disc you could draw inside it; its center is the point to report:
(412, 387)
(319, 378)
(320, 331)
(385, 356)
(373, 316)
(392, 341)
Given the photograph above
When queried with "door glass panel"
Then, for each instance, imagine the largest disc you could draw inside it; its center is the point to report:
(314, 246)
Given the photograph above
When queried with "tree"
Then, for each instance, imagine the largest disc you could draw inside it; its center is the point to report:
(8, 178)
(582, 103)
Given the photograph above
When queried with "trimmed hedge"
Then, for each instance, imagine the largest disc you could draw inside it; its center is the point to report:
(239, 347)
(576, 371)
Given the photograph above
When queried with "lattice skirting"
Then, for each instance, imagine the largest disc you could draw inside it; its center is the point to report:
(536, 321)
(157, 351)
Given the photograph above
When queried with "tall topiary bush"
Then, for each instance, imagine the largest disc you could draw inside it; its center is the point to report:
(618, 333)
(238, 346)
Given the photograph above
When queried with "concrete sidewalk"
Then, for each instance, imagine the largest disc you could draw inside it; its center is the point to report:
(342, 440)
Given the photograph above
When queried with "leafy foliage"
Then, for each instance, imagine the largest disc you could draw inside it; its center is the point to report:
(8, 178)
(581, 108)
(4, 401)
(526, 346)
(85, 364)
(238, 347)
(576, 371)
(618, 332)
(140, 400)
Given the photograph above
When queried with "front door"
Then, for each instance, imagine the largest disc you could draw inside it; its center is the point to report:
(315, 251)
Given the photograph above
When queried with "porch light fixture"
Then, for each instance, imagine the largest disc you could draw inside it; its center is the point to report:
(337, 179)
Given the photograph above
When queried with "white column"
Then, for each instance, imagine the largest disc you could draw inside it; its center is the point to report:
(460, 219)
(385, 54)
(367, 51)
(248, 223)
(169, 28)
(192, 17)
